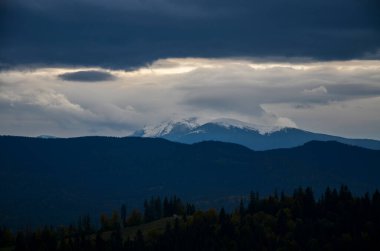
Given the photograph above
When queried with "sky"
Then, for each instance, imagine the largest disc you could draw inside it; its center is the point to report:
(81, 67)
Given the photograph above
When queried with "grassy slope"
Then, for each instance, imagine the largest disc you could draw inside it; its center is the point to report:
(149, 230)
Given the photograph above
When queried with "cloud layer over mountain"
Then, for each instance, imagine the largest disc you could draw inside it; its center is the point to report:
(337, 97)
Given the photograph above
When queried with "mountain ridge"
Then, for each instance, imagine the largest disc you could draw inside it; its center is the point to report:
(255, 137)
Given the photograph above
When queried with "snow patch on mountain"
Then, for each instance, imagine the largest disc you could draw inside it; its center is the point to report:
(196, 132)
(233, 123)
(168, 126)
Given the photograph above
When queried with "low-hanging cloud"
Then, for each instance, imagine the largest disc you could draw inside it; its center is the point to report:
(87, 76)
(269, 93)
(316, 91)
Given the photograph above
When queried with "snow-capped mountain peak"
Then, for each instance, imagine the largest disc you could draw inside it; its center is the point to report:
(262, 129)
(256, 137)
(168, 127)
(192, 126)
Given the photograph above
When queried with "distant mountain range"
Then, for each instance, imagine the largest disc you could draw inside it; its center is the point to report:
(56, 180)
(252, 136)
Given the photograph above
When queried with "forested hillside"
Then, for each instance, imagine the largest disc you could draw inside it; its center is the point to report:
(337, 220)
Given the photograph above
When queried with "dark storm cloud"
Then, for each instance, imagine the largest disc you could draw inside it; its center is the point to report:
(87, 76)
(124, 34)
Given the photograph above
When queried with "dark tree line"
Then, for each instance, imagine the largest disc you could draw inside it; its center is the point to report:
(337, 220)
(155, 209)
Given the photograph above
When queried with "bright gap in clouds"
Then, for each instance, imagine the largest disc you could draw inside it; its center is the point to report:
(340, 98)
